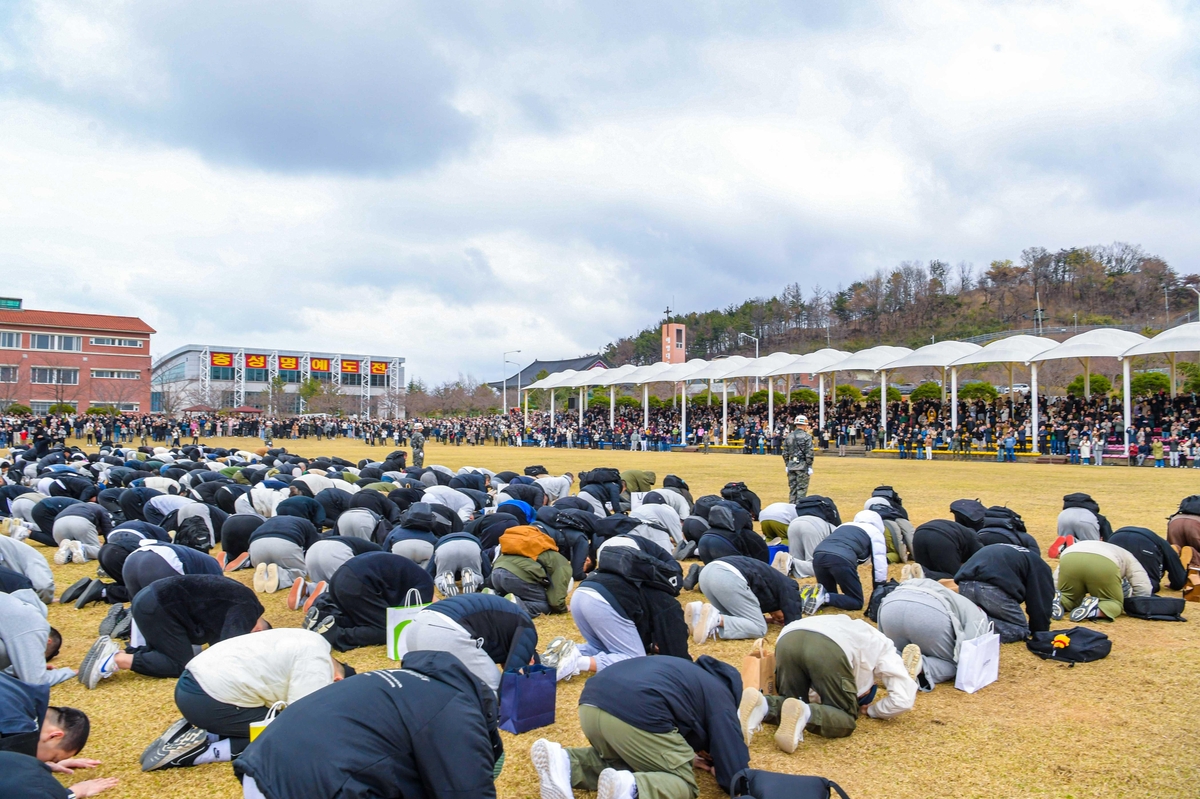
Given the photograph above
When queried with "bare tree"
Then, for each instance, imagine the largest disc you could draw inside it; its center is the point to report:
(12, 380)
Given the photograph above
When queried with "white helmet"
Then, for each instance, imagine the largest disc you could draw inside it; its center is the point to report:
(801, 419)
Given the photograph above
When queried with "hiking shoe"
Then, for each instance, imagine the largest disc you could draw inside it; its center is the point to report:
(1056, 606)
(1086, 610)
(693, 577)
(568, 662)
(271, 583)
(260, 578)
(63, 556)
(94, 592)
(98, 662)
(124, 625)
(19, 532)
(793, 716)
(77, 588)
(706, 624)
(751, 712)
(317, 590)
(180, 741)
(812, 598)
(470, 581)
(554, 650)
(77, 555)
(239, 562)
(616, 784)
(1126, 589)
(912, 660)
(444, 583)
(782, 563)
(297, 593)
(691, 612)
(109, 622)
(685, 550)
(553, 767)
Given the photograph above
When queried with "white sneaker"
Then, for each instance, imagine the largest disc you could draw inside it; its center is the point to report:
(19, 532)
(99, 662)
(793, 717)
(782, 563)
(77, 555)
(260, 578)
(554, 769)
(568, 662)
(444, 583)
(751, 711)
(706, 624)
(691, 612)
(63, 555)
(272, 582)
(912, 660)
(471, 581)
(616, 785)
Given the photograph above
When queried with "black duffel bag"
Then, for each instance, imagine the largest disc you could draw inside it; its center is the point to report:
(1084, 645)
(1155, 608)
(754, 783)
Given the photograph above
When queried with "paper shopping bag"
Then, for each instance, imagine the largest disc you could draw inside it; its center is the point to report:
(398, 620)
(758, 668)
(527, 698)
(978, 663)
(256, 727)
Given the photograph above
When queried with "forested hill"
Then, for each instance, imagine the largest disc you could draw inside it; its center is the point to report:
(909, 303)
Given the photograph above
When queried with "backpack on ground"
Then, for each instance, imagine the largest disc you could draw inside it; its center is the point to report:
(739, 493)
(599, 476)
(877, 595)
(193, 534)
(753, 783)
(1155, 608)
(821, 507)
(1190, 505)
(1078, 645)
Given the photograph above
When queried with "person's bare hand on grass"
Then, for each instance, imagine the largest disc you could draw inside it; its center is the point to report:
(93, 787)
(68, 765)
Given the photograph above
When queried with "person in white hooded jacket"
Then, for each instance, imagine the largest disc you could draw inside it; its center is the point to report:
(835, 564)
(842, 659)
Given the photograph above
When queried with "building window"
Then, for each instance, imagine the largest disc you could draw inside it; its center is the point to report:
(45, 341)
(117, 374)
(351, 379)
(220, 372)
(322, 377)
(8, 374)
(46, 375)
(379, 381)
(42, 407)
(176, 372)
(10, 339)
(257, 375)
(117, 342)
(127, 406)
(289, 375)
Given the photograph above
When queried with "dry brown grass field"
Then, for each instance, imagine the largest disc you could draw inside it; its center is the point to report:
(1120, 727)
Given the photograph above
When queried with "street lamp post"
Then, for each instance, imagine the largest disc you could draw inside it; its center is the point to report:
(755, 338)
(1197, 291)
(504, 371)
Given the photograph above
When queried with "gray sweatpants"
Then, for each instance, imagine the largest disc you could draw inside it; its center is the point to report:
(726, 589)
(610, 636)
(77, 528)
(415, 550)
(913, 617)
(356, 523)
(454, 556)
(804, 533)
(324, 558)
(285, 554)
(437, 632)
(1080, 523)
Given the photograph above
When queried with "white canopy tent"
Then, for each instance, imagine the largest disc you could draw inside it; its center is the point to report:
(811, 364)
(719, 370)
(643, 376)
(681, 373)
(1106, 342)
(874, 359)
(939, 355)
(612, 378)
(765, 367)
(1185, 338)
(1008, 351)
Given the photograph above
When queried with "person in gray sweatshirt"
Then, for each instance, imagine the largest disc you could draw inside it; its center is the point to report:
(929, 622)
(27, 641)
(22, 558)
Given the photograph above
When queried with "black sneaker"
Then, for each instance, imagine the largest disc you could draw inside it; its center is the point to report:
(178, 746)
(693, 577)
(685, 550)
(109, 623)
(93, 593)
(123, 627)
(72, 593)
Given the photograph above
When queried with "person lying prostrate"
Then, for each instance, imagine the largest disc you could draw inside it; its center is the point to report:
(486, 632)
(22, 776)
(459, 556)
(277, 548)
(233, 684)
(28, 642)
(78, 528)
(556, 487)
(836, 560)
(1093, 578)
(453, 499)
(661, 524)
(304, 508)
(160, 506)
(24, 559)
(363, 523)
(935, 621)
(942, 547)
(235, 539)
(531, 568)
(775, 518)
(326, 556)
(741, 592)
(414, 538)
(352, 611)
(999, 578)
(1155, 554)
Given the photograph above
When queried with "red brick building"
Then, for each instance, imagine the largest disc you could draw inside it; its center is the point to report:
(77, 359)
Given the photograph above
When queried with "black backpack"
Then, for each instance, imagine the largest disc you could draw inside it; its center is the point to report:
(969, 513)
(737, 492)
(1156, 608)
(193, 533)
(821, 507)
(599, 476)
(1000, 516)
(877, 594)
(534, 471)
(1190, 505)
(1085, 645)
(888, 493)
(757, 784)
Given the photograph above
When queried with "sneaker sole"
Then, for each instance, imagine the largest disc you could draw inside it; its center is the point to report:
(89, 663)
(317, 591)
(296, 594)
(75, 590)
(700, 633)
(191, 741)
(237, 562)
(789, 719)
(540, 755)
(162, 740)
(260, 578)
(608, 788)
(123, 627)
(87, 597)
(272, 581)
(912, 660)
(109, 623)
(63, 556)
(749, 702)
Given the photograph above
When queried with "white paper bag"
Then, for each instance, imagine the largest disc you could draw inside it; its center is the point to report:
(978, 663)
(398, 620)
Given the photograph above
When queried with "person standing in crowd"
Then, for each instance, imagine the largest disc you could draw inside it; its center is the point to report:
(798, 459)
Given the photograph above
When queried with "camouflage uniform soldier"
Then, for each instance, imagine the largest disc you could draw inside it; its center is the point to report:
(798, 458)
(418, 445)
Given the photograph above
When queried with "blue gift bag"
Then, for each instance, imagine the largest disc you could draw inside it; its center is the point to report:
(772, 551)
(527, 698)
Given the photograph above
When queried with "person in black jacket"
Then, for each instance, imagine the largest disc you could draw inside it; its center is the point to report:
(171, 616)
(648, 720)
(429, 729)
(482, 630)
(836, 559)
(626, 608)
(999, 578)
(25, 776)
(135, 568)
(277, 550)
(741, 592)
(1154, 553)
(730, 532)
(78, 528)
(352, 611)
(942, 547)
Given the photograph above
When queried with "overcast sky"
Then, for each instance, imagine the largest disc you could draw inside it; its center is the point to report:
(446, 184)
